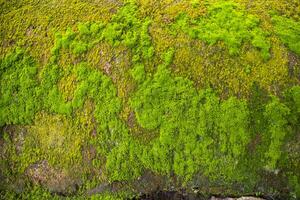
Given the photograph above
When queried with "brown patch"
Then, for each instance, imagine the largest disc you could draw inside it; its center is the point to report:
(17, 135)
(166, 20)
(94, 132)
(277, 181)
(149, 182)
(254, 142)
(107, 67)
(294, 65)
(30, 31)
(89, 153)
(54, 179)
(113, 10)
(11, 43)
(131, 119)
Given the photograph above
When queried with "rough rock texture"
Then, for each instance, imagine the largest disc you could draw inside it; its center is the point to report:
(55, 180)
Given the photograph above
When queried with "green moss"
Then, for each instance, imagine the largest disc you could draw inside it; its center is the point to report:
(289, 32)
(227, 22)
(234, 124)
(276, 113)
(294, 183)
(123, 162)
(53, 100)
(126, 28)
(138, 72)
(176, 91)
(54, 139)
(188, 122)
(19, 96)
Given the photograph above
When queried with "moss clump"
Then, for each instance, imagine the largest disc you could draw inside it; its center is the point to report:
(227, 22)
(289, 32)
(189, 124)
(19, 95)
(123, 161)
(125, 28)
(277, 113)
(200, 133)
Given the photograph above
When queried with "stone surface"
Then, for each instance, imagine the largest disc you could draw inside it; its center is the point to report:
(55, 180)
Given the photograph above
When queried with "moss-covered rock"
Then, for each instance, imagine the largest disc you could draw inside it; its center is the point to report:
(200, 95)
